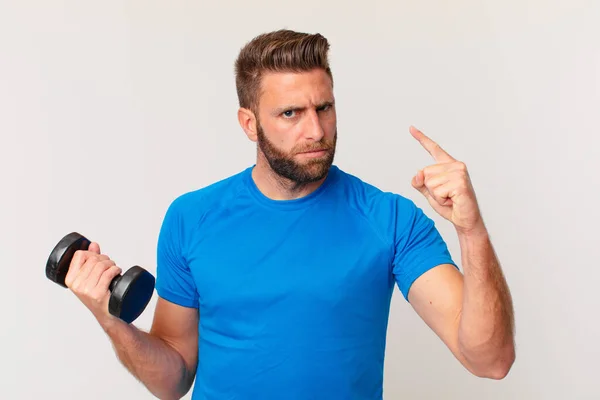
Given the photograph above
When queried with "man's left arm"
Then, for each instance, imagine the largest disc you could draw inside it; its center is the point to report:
(471, 312)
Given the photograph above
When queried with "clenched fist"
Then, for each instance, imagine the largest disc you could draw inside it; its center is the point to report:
(90, 274)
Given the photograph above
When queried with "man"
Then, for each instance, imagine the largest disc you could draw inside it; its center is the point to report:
(275, 283)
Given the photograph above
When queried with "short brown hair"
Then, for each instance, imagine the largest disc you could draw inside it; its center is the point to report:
(278, 51)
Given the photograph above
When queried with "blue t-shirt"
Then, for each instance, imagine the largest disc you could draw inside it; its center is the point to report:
(293, 295)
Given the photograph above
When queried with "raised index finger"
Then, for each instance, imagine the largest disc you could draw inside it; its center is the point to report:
(438, 154)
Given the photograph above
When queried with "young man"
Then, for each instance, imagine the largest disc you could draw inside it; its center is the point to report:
(275, 283)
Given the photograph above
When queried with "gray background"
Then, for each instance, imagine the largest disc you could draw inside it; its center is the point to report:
(109, 110)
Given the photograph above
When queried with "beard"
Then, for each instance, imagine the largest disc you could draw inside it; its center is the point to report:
(284, 165)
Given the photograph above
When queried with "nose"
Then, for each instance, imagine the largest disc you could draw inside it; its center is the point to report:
(314, 128)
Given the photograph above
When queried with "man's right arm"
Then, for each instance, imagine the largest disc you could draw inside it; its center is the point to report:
(164, 359)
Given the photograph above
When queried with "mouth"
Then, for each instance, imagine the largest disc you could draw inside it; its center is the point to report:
(314, 153)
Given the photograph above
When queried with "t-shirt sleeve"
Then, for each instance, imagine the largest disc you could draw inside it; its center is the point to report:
(174, 281)
(418, 245)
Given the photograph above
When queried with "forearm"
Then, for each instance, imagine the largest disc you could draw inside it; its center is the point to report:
(150, 359)
(486, 326)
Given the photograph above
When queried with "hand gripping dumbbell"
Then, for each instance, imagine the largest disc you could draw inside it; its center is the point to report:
(130, 292)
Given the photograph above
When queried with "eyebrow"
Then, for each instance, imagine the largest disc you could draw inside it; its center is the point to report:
(291, 107)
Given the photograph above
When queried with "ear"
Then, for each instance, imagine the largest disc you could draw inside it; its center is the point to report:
(247, 121)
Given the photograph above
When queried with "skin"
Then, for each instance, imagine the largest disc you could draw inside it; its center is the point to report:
(472, 314)
(298, 112)
(165, 358)
(296, 116)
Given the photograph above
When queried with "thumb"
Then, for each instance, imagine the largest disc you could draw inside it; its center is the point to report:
(95, 247)
(418, 182)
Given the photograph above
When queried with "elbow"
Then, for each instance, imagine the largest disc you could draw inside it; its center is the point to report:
(169, 394)
(497, 368)
(496, 372)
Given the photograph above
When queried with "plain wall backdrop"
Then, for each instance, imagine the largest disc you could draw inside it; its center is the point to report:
(109, 110)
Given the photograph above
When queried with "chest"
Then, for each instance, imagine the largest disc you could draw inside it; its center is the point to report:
(257, 260)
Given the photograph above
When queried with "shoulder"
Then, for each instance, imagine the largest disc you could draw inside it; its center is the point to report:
(390, 214)
(201, 200)
(371, 199)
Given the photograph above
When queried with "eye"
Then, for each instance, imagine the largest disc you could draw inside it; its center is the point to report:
(289, 113)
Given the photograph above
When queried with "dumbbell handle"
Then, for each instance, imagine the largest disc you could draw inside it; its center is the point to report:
(114, 282)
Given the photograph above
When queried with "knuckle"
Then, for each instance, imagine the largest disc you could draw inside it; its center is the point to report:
(88, 262)
(95, 261)
(75, 287)
(82, 254)
(107, 275)
(429, 180)
(113, 271)
(97, 296)
(100, 267)
(105, 261)
(77, 257)
(69, 278)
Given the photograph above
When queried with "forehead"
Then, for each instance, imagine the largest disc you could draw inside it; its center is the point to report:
(295, 88)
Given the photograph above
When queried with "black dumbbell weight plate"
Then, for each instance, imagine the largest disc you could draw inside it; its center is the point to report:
(131, 293)
(59, 261)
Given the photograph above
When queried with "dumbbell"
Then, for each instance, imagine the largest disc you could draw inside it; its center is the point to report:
(130, 292)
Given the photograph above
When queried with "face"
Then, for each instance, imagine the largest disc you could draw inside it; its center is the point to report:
(296, 125)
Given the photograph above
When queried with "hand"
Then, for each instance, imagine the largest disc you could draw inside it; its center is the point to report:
(89, 277)
(447, 187)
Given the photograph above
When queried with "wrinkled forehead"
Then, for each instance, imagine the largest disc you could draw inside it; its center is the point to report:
(298, 89)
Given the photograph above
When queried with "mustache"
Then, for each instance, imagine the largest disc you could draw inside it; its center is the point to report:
(316, 147)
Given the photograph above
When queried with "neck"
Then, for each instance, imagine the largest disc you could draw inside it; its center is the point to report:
(276, 187)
